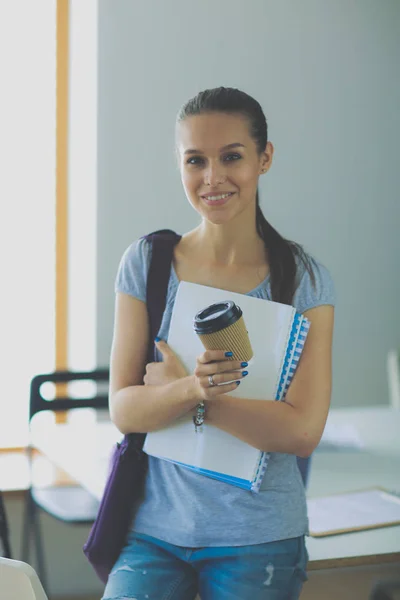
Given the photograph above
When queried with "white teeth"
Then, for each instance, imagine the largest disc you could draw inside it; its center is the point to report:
(220, 197)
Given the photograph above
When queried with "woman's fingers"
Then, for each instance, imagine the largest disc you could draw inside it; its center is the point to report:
(213, 355)
(226, 374)
(203, 369)
(216, 390)
(222, 378)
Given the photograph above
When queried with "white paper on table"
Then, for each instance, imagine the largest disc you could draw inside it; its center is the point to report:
(269, 326)
(352, 511)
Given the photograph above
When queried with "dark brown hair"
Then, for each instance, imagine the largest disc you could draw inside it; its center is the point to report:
(282, 254)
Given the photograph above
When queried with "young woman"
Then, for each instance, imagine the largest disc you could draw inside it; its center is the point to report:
(193, 534)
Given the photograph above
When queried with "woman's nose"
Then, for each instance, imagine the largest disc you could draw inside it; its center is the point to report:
(214, 175)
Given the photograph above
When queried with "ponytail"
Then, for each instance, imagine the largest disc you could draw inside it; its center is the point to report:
(281, 257)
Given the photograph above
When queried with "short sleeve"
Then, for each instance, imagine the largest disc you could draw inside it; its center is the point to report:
(133, 268)
(311, 294)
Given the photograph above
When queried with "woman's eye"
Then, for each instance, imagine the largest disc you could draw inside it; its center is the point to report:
(199, 160)
(194, 160)
(231, 157)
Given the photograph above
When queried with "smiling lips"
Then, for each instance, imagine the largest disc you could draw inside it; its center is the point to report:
(217, 199)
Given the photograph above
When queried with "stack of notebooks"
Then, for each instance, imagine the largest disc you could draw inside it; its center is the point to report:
(277, 335)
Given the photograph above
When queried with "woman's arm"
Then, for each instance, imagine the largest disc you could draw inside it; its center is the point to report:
(133, 406)
(168, 393)
(296, 425)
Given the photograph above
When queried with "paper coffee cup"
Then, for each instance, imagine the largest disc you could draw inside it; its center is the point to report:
(221, 326)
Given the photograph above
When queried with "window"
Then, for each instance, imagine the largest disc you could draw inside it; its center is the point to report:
(27, 206)
(28, 194)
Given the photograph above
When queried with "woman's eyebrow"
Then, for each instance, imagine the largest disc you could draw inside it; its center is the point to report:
(228, 147)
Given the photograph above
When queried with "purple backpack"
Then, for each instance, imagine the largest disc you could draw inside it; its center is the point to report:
(124, 488)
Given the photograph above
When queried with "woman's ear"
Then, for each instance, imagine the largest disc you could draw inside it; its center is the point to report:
(266, 157)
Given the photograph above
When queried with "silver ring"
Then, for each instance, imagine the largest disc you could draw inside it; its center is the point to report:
(211, 380)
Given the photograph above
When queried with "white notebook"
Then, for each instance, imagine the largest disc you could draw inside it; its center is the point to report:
(277, 334)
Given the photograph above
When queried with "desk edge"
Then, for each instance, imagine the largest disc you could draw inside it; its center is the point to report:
(353, 561)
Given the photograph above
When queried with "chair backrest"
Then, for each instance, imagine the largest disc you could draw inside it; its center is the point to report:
(393, 374)
(4, 532)
(39, 403)
(19, 581)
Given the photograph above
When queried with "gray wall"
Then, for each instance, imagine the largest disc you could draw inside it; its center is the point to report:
(326, 74)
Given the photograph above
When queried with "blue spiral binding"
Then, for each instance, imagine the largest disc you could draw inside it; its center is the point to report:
(297, 338)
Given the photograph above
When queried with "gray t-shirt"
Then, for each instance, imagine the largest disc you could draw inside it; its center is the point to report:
(191, 510)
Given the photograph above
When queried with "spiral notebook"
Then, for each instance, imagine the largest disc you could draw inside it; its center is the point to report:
(277, 333)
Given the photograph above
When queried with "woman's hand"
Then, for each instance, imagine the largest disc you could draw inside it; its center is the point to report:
(211, 362)
(170, 369)
(214, 363)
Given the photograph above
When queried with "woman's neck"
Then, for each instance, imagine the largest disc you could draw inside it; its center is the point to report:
(225, 244)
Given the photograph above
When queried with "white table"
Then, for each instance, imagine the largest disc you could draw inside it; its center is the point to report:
(373, 461)
(342, 472)
(83, 452)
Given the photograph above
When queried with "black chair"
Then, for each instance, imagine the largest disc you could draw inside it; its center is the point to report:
(71, 504)
(4, 531)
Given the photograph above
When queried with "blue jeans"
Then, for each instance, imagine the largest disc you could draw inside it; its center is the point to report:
(150, 569)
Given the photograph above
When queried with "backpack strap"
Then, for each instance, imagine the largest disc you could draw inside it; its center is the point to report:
(163, 242)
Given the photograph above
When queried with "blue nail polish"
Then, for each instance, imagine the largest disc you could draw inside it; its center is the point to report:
(238, 383)
(244, 373)
(228, 353)
(244, 364)
(157, 339)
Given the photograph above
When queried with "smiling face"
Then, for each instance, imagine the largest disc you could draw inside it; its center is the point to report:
(220, 165)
